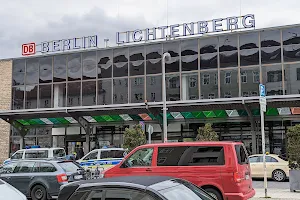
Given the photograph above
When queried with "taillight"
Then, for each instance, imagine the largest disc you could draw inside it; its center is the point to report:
(62, 178)
(238, 177)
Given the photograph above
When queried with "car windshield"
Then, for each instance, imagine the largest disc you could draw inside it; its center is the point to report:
(184, 191)
(69, 166)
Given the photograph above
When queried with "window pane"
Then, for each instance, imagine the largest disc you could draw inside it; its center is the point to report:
(24, 167)
(112, 154)
(173, 87)
(153, 51)
(249, 41)
(89, 65)
(47, 167)
(45, 92)
(104, 92)
(189, 47)
(31, 96)
(137, 90)
(32, 71)
(270, 38)
(46, 70)
(189, 63)
(120, 55)
(154, 88)
(209, 45)
(172, 48)
(292, 82)
(172, 65)
(74, 94)
(104, 64)
(209, 84)
(89, 93)
(272, 79)
(228, 59)
(137, 68)
(228, 43)
(249, 57)
(250, 79)
(120, 69)
(137, 53)
(59, 95)
(209, 61)
(59, 67)
(291, 53)
(36, 154)
(120, 88)
(291, 36)
(270, 55)
(18, 72)
(18, 97)
(153, 66)
(229, 83)
(190, 86)
(74, 67)
(142, 157)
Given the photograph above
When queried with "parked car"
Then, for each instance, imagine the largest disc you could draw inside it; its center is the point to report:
(133, 188)
(105, 158)
(41, 179)
(37, 153)
(221, 168)
(8, 191)
(277, 167)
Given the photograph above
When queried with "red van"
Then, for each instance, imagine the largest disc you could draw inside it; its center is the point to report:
(221, 168)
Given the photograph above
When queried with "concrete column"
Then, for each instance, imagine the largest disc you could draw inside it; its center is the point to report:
(55, 141)
(58, 96)
(185, 88)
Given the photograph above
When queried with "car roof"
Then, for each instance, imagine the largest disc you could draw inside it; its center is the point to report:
(192, 143)
(42, 160)
(40, 149)
(263, 154)
(108, 149)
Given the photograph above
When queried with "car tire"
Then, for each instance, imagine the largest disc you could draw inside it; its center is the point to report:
(38, 192)
(278, 175)
(214, 193)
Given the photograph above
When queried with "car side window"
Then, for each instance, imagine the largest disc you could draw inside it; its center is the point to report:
(253, 159)
(36, 154)
(46, 167)
(24, 167)
(142, 157)
(125, 194)
(17, 155)
(270, 159)
(8, 169)
(92, 156)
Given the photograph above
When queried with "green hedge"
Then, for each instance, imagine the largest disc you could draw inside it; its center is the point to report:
(293, 147)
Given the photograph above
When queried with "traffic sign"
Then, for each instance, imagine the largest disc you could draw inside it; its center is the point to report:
(262, 90)
(150, 129)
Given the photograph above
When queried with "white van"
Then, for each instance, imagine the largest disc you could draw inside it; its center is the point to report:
(37, 153)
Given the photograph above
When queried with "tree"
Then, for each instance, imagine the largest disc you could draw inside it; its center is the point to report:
(206, 133)
(293, 146)
(134, 137)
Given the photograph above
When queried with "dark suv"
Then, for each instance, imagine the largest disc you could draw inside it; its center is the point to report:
(41, 179)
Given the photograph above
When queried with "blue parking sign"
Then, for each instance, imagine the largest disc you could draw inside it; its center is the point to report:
(262, 90)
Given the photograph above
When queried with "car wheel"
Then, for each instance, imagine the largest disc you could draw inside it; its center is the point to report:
(214, 193)
(278, 175)
(38, 192)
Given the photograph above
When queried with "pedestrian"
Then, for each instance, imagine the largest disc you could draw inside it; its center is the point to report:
(80, 152)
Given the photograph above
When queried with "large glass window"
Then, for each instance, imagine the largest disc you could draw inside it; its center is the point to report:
(88, 93)
(31, 96)
(292, 82)
(60, 68)
(228, 59)
(250, 79)
(190, 86)
(18, 72)
(249, 41)
(74, 67)
(272, 79)
(137, 57)
(120, 88)
(209, 61)
(209, 84)
(209, 45)
(229, 83)
(32, 71)
(172, 65)
(18, 97)
(74, 94)
(270, 38)
(89, 65)
(173, 87)
(153, 56)
(291, 53)
(228, 43)
(45, 94)
(137, 90)
(104, 92)
(270, 55)
(189, 55)
(154, 88)
(59, 95)
(249, 57)
(46, 70)
(104, 63)
(291, 36)
(120, 62)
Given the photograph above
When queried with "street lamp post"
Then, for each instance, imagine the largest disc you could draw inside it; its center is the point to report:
(164, 95)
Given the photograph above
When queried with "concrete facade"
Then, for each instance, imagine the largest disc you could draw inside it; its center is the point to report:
(5, 104)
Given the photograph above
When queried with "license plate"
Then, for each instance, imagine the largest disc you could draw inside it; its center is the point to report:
(78, 177)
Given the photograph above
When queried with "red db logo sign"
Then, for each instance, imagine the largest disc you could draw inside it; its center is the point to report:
(28, 49)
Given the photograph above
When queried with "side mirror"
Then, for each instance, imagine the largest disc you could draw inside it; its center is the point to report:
(125, 164)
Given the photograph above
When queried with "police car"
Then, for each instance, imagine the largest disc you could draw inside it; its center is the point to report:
(102, 158)
(35, 152)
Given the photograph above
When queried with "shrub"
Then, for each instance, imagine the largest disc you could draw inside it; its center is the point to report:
(206, 133)
(134, 137)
